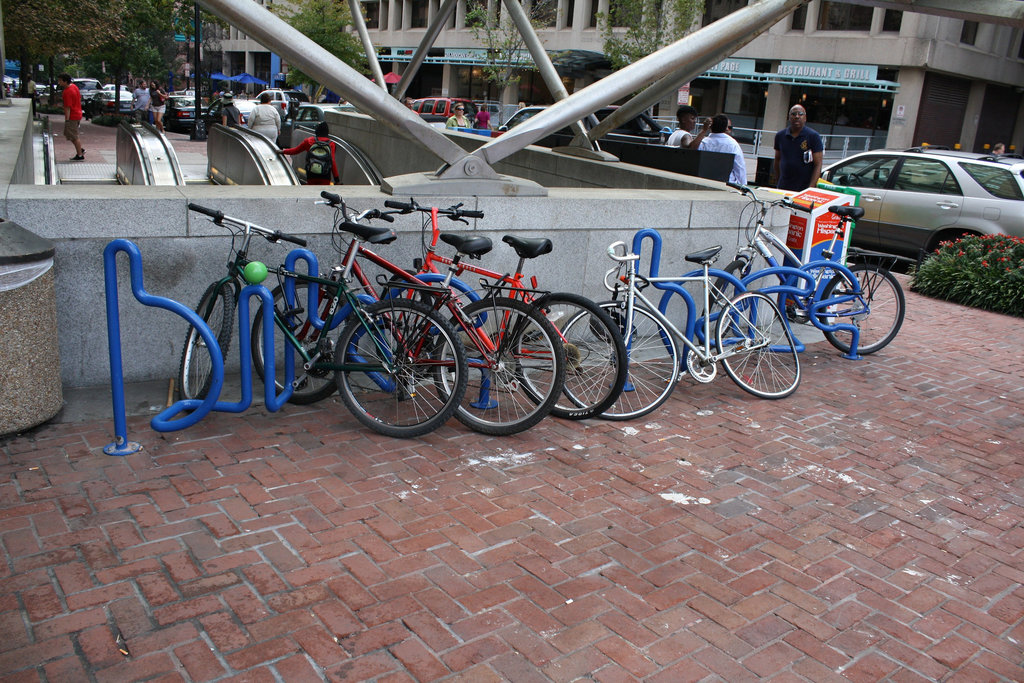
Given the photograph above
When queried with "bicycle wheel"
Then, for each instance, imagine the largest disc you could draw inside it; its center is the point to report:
(878, 313)
(516, 367)
(216, 308)
(314, 385)
(427, 375)
(762, 357)
(653, 362)
(595, 355)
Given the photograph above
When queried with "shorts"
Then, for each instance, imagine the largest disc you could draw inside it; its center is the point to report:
(158, 110)
(71, 130)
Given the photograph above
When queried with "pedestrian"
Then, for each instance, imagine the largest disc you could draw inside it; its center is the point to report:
(410, 103)
(321, 164)
(683, 136)
(157, 105)
(998, 148)
(30, 90)
(720, 141)
(798, 153)
(140, 110)
(229, 114)
(483, 119)
(72, 99)
(265, 119)
(458, 119)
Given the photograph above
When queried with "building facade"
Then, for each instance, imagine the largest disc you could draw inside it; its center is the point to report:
(869, 77)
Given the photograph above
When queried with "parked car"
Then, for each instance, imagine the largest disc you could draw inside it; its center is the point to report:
(913, 199)
(297, 129)
(640, 129)
(287, 101)
(215, 110)
(85, 84)
(102, 102)
(440, 109)
(180, 114)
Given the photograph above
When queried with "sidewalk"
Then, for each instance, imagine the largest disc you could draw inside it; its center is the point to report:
(867, 528)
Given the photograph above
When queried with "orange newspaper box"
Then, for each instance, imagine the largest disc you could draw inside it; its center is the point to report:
(811, 233)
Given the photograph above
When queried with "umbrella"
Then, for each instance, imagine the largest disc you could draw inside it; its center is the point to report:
(391, 77)
(218, 76)
(247, 78)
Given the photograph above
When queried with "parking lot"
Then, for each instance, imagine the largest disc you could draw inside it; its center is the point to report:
(867, 528)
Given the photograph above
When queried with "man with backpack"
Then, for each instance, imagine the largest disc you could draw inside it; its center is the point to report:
(321, 165)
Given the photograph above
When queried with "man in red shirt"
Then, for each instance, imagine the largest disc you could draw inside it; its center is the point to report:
(321, 136)
(72, 114)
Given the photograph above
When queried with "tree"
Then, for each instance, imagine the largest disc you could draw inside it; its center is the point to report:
(324, 22)
(650, 25)
(504, 44)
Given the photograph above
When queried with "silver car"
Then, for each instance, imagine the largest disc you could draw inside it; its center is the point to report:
(916, 198)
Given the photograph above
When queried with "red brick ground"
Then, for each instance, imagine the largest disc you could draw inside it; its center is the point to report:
(868, 528)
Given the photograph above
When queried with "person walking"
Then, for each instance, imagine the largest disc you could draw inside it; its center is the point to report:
(229, 114)
(72, 99)
(30, 90)
(157, 105)
(264, 118)
(720, 141)
(321, 162)
(682, 136)
(459, 118)
(798, 153)
(483, 119)
(140, 110)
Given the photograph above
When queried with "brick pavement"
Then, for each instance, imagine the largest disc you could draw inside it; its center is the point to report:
(866, 529)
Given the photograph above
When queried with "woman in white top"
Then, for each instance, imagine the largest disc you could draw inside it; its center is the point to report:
(265, 119)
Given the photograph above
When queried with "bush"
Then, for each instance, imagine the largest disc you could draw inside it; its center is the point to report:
(980, 271)
(107, 120)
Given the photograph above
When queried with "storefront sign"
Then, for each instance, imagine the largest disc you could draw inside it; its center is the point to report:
(849, 73)
(733, 66)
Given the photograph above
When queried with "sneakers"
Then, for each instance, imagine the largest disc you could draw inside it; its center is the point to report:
(78, 157)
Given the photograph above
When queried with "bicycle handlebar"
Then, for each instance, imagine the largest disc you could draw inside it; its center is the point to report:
(219, 217)
(613, 252)
(452, 212)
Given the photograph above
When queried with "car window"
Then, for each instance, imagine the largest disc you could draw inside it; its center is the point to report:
(998, 182)
(441, 106)
(926, 175)
(305, 115)
(872, 172)
(522, 116)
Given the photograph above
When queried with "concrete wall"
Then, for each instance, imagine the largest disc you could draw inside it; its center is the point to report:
(183, 252)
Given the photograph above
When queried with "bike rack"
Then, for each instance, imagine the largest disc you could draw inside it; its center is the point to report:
(196, 409)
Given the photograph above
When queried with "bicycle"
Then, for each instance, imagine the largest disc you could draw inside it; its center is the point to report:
(399, 366)
(864, 294)
(515, 358)
(595, 352)
(751, 338)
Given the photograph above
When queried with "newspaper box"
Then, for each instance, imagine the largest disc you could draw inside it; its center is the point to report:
(811, 233)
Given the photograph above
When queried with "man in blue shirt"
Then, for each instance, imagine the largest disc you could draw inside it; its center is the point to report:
(798, 153)
(721, 141)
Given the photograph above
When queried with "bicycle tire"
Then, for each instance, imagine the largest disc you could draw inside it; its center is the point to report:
(515, 384)
(652, 363)
(315, 385)
(595, 354)
(195, 368)
(763, 359)
(429, 376)
(881, 321)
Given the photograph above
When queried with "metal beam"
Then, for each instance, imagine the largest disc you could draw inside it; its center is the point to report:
(699, 47)
(1005, 12)
(433, 30)
(368, 48)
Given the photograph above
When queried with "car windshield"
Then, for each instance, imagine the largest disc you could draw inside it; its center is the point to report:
(998, 182)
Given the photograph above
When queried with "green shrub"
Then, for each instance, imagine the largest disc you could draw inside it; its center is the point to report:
(107, 120)
(983, 272)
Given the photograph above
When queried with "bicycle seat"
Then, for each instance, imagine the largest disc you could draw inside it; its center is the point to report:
(704, 255)
(853, 212)
(369, 233)
(469, 245)
(528, 247)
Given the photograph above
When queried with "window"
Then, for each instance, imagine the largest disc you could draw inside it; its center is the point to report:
(717, 9)
(926, 175)
(371, 12)
(837, 16)
(969, 33)
(419, 13)
(998, 182)
(799, 18)
(892, 20)
(871, 172)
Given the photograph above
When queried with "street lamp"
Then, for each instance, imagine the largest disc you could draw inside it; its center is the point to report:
(199, 126)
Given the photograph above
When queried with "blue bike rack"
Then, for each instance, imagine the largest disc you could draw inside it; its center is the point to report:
(191, 410)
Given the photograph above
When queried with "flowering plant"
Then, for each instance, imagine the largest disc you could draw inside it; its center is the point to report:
(984, 271)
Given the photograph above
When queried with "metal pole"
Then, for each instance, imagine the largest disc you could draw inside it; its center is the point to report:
(433, 31)
(368, 48)
(272, 31)
(199, 126)
(738, 26)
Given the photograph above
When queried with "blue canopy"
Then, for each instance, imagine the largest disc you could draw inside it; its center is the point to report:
(247, 78)
(218, 76)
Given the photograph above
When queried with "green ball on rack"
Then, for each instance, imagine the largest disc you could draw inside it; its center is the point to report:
(255, 272)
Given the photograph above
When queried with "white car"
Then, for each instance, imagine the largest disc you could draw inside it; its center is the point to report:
(287, 101)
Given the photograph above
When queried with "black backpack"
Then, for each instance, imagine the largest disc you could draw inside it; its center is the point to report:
(319, 160)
